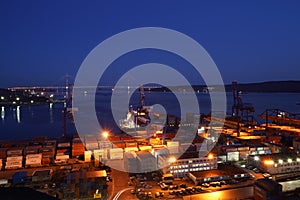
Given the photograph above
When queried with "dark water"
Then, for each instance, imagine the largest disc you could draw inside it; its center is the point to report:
(27, 122)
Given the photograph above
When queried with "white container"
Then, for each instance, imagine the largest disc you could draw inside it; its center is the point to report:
(13, 165)
(129, 149)
(173, 144)
(33, 160)
(105, 145)
(91, 146)
(34, 156)
(116, 153)
(87, 156)
(62, 157)
(100, 154)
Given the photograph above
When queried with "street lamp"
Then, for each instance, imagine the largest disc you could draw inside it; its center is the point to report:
(172, 159)
(105, 134)
(210, 156)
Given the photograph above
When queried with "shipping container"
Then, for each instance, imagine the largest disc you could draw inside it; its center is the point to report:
(3, 153)
(61, 159)
(50, 143)
(145, 148)
(33, 160)
(243, 148)
(19, 177)
(13, 164)
(87, 156)
(91, 146)
(100, 154)
(46, 161)
(62, 151)
(14, 158)
(171, 144)
(116, 153)
(63, 144)
(131, 144)
(14, 152)
(129, 149)
(105, 145)
(30, 151)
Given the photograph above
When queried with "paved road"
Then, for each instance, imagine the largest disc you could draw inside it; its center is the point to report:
(119, 182)
(233, 194)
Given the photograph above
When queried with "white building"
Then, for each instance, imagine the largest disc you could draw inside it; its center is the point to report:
(276, 163)
(181, 167)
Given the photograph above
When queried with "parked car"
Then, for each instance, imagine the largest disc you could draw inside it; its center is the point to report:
(205, 185)
(163, 186)
(157, 194)
(256, 170)
(172, 187)
(132, 191)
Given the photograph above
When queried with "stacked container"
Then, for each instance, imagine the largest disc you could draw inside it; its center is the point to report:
(77, 148)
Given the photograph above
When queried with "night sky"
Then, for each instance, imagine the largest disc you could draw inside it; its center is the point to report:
(250, 41)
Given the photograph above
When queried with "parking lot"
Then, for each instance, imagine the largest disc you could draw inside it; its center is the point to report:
(147, 187)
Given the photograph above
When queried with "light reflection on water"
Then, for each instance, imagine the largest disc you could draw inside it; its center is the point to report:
(30, 121)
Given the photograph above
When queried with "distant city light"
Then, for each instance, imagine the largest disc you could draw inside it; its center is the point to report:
(280, 161)
(2, 98)
(18, 99)
(256, 158)
(290, 160)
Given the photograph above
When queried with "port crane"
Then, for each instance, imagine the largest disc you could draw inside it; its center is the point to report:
(143, 112)
(242, 113)
(281, 117)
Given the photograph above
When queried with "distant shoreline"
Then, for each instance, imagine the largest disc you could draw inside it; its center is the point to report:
(262, 87)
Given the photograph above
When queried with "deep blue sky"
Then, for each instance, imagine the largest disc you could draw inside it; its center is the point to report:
(250, 41)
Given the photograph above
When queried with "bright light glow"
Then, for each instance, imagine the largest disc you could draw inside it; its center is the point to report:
(256, 158)
(290, 160)
(31, 101)
(269, 162)
(2, 112)
(18, 114)
(298, 159)
(51, 95)
(280, 161)
(2, 98)
(172, 159)
(17, 98)
(210, 156)
(105, 134)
